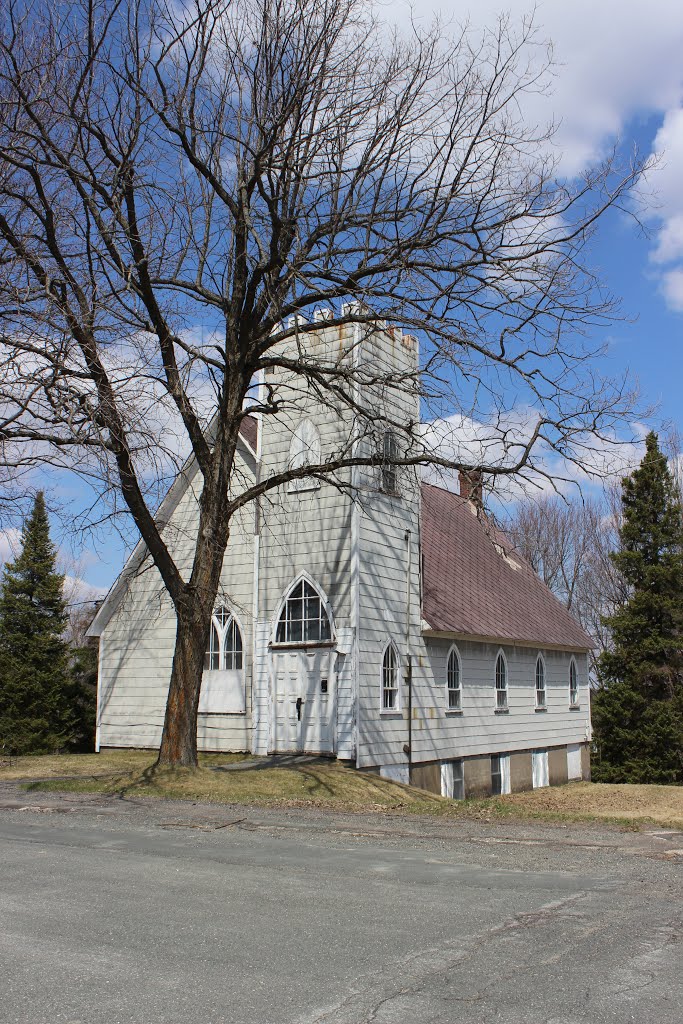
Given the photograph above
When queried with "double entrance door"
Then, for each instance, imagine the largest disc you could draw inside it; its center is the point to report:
(304, 700)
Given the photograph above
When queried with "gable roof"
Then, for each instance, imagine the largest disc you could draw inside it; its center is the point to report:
(474, 583)
(249, 431)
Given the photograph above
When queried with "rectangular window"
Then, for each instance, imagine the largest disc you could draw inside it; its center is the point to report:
(500, 774)
(452, 780)
(496, 778)
(574, 761)
(389, 467)
(539, 769)
(458, 780)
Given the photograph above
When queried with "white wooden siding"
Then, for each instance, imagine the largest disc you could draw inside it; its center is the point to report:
(438, 734)
(138, 643)
(357, 555)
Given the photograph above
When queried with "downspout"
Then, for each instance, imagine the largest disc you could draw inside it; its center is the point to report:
(98, 705)
(408, 749)
(355, 557)
(255, 719)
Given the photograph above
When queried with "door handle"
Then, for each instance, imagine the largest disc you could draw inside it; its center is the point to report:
(299, 702)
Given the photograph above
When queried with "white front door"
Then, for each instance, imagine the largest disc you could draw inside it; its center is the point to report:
(304, 701)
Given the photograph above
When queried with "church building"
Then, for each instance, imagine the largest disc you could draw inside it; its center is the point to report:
(386, 622)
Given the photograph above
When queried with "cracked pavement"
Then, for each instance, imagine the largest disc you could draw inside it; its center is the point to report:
(142, 912)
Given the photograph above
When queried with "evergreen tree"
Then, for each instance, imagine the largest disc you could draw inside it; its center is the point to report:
(37, 692)
(638, 706)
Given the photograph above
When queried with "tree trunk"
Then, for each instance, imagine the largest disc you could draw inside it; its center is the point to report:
(179, 739)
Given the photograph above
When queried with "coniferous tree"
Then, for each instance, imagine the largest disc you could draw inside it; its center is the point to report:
(38, 698)
(638, 706)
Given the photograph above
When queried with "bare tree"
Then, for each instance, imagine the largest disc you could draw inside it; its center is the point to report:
(181, 182)
(568, 541)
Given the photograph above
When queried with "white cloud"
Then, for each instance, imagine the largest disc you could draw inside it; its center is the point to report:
(10, 545)
(614, 62)
(672, 288)
(79, 591)
(500, 443)
(665, 184)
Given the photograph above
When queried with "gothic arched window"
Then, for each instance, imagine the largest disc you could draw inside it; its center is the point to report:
(225, 649)
(303, 618)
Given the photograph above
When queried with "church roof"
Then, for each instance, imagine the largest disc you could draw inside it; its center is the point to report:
(249, 431)
(475, 583)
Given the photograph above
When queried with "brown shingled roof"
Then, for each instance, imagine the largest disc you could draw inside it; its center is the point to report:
(471, 587)
(249, 430)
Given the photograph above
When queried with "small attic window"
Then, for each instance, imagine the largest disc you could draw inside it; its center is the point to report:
(390, 452)
(304, 450)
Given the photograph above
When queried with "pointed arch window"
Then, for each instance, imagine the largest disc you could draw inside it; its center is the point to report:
(573, 685)
(304, 618)
(304, 450)
(453, 681)
(540, 682)
(390, 452)
(390, 689)
(225, 648)
(501, 683)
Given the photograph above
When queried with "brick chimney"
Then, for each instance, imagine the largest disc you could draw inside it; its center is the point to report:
(471, 485)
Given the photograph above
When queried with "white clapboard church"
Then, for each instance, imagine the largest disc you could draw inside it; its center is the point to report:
(386, 623)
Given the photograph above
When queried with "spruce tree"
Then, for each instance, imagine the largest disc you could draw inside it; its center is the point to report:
(37, 712)
(638, 706)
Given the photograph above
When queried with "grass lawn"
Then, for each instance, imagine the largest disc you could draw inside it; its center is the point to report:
(332, 785)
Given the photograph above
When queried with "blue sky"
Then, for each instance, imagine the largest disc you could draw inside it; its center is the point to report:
(650, 342)
(618, 78)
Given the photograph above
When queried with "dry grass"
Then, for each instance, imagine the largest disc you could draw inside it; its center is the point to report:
(329, 784)
(107, 763)
(314, 784)
(662, 805)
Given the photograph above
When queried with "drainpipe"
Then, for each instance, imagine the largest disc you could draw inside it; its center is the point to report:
(256, 663)
(408, 748)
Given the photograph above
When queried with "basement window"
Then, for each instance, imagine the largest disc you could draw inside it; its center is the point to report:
(539, 769)
(500, 774)
(453, 780)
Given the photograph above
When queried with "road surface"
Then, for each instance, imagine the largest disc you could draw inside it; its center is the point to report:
(115, 912)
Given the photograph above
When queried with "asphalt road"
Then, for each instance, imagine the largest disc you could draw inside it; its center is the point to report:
(125, 913)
